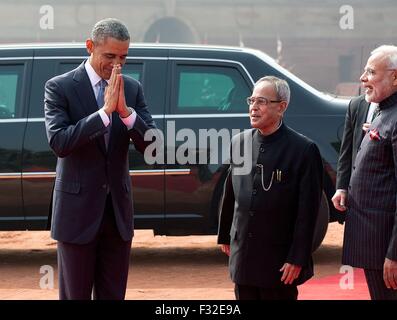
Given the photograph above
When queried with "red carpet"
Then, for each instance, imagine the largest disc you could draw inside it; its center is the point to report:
(328, 288)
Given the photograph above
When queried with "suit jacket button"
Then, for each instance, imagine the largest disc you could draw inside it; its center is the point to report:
(262, 149)
(249, 234)
(251, 213)
(254, 192)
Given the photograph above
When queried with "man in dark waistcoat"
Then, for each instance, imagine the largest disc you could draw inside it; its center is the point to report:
(268, 215)
(370, 238)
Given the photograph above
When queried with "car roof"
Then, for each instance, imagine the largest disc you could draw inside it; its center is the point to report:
(45, 48)
(75, 45)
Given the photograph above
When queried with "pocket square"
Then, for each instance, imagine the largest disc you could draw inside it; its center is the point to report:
(374, 134)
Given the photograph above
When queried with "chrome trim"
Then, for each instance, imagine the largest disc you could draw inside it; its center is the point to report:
(166, 172)
(35, 218)
(148, 216)
(18, 120)
(156, 116)
(86, 57)
(44, 175)
(73, 58)
(36, 119)
(15, 58)
(171, 215)
(169, 116)
(182, 216)
(10, 176)
(12, 218)
(208, 115)
(38, 175)
(59, 57)
(146, 58)
(177, 172)
(146, 172)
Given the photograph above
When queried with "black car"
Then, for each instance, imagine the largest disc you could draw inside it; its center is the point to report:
(191, 87)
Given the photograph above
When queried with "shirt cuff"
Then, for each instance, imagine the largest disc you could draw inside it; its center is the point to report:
(130, 120)
(342, 190)
(104, 117)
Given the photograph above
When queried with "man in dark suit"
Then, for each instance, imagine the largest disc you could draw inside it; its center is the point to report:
(370, 238)
(359, 115)
(91, 113)
(268, 214)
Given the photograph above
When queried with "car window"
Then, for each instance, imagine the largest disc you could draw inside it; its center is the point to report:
(10, 90)
(64, 67)
(134, 70)
(203, 89)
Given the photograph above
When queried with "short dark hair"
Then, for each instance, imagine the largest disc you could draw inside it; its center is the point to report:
(109, 27)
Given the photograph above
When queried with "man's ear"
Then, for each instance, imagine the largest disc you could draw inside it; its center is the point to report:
(395, 78)
(89, 45)
(282, 107)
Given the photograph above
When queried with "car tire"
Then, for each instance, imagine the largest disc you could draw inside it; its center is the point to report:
(321, 223)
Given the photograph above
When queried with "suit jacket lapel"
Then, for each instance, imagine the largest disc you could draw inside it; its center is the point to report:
(364, 108)
(86, 96)
(362, 114)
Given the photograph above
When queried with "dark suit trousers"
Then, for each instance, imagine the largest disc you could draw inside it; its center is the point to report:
(99, 267)
(377, 287)
(243, 292)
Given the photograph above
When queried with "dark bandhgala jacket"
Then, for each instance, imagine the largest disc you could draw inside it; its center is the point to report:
(371, 221)
(86, 170)
(268, 216)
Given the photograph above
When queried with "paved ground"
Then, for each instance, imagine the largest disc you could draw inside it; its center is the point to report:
(161, 267)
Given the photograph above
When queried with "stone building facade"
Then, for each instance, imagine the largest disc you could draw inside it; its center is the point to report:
(324, 42)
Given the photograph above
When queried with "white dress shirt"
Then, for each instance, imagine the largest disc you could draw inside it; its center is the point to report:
(95, 80)
(371, 110)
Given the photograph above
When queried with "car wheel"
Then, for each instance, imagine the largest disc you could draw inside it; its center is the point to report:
(321, 223)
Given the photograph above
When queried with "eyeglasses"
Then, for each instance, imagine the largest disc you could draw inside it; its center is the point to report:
(371, 72)
(262, 101)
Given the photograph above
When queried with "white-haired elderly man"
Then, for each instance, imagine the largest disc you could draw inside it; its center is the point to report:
(268, 214)
(370, 238)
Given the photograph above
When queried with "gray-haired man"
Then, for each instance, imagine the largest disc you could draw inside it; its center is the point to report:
(91, 113)
(268, 215)
(370, 237)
